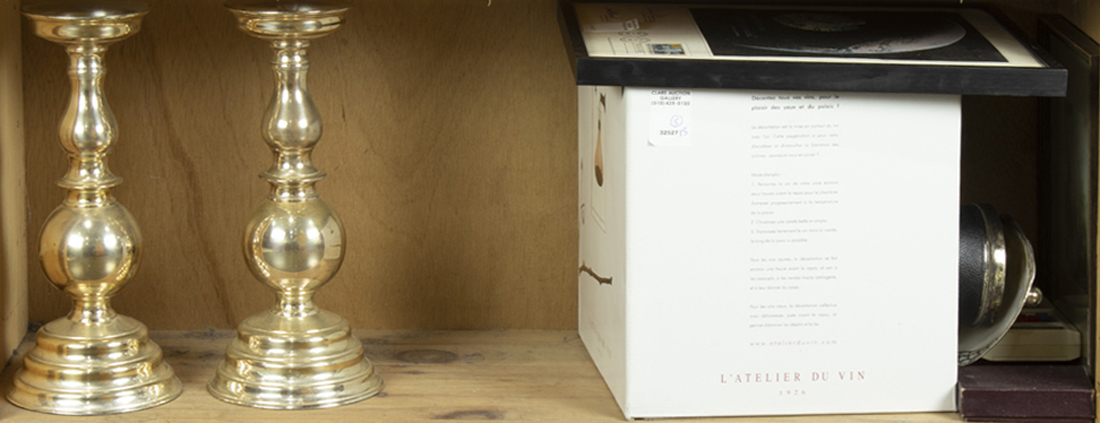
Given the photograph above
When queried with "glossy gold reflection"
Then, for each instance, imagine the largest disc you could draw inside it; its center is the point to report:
(293, 355)
(92, 361)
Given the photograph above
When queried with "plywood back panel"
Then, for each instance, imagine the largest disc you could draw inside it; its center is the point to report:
(13, 194)
(449, 142)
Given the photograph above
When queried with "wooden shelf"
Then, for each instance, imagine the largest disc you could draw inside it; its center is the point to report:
(430, 376)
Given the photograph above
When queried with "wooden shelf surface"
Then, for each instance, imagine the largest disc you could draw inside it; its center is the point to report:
(515, 375)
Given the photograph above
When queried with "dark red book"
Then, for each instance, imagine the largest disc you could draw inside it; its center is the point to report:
(1026, 393)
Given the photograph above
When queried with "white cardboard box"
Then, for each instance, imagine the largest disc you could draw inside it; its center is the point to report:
(761, 253)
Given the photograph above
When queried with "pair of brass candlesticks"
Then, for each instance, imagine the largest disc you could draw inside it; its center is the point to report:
(94, 361)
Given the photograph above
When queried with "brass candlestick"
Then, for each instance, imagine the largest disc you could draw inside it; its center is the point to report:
(92, 361)
(294, 355)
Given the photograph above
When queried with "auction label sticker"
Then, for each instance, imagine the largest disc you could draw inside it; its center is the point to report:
(670, 118)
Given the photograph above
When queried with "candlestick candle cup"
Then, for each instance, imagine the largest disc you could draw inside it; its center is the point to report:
(93, 361)
(293, 355)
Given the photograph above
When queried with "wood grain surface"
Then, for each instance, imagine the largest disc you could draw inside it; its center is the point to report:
(13, 192)
(450, 147)
(531, 376)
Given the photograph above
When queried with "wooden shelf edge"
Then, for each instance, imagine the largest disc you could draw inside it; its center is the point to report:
(513, 375)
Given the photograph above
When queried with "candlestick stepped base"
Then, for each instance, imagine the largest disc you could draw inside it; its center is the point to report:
(92, 361)
(294, 355)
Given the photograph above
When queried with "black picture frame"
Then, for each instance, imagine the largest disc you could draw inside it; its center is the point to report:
(1048, 79)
